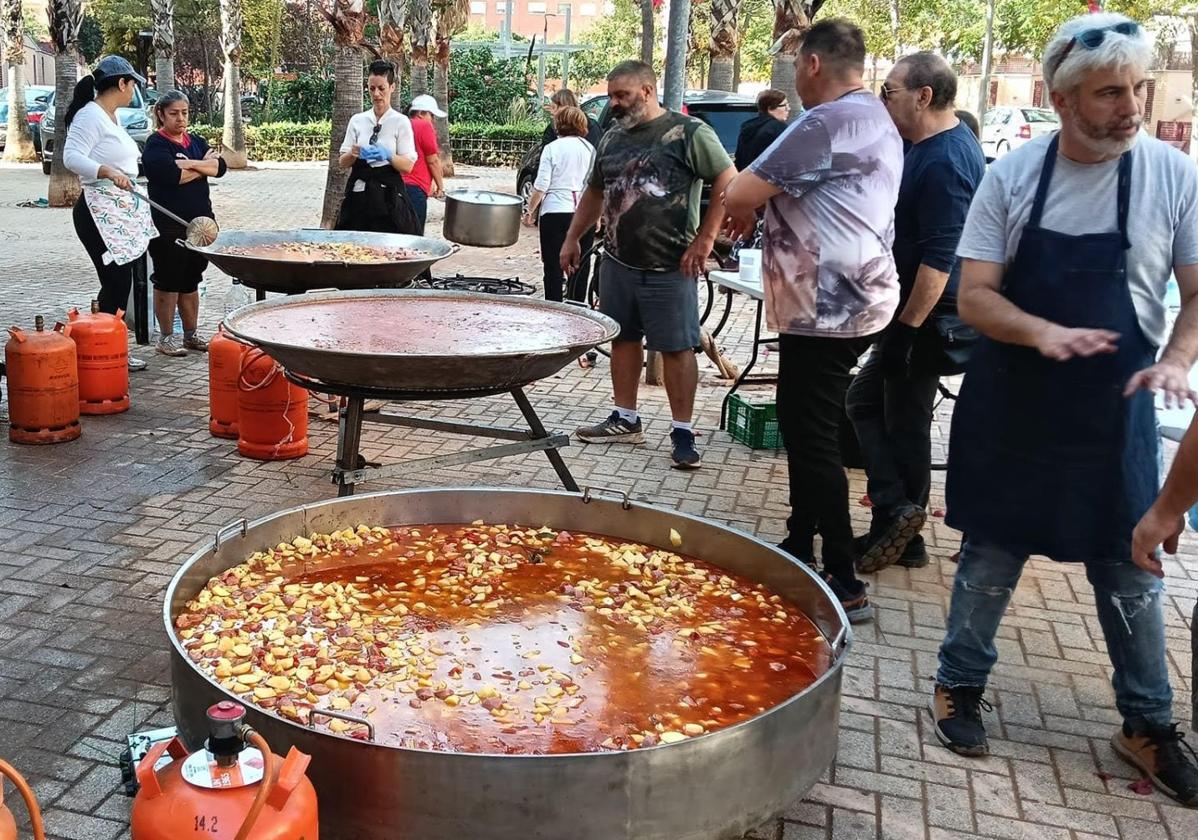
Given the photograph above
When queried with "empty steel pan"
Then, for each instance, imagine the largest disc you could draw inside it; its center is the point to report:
(715, 787)
(414, 341)
(290, 276)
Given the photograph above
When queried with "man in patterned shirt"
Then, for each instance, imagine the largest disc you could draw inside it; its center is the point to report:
(829, 185)
(647, 181)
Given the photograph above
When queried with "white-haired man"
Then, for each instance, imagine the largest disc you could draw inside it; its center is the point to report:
(1066, 252)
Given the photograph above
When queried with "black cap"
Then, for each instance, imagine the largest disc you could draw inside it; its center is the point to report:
(111, 66)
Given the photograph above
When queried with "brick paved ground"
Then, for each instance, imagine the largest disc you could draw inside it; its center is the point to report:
(91, 531)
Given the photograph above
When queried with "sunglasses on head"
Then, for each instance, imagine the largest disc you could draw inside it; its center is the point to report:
(1091, 39)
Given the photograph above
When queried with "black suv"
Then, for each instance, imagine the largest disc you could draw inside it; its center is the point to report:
(724, 112)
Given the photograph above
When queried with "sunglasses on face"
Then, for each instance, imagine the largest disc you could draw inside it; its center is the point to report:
(886, 92)
(1091, 39)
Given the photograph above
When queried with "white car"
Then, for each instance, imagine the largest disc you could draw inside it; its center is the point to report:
(1005, 127)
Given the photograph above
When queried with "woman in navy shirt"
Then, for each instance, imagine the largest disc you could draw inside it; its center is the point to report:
(178, 166)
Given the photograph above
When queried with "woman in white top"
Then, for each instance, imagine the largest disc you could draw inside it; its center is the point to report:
(560, 182)
(97, 148)
(378, 149)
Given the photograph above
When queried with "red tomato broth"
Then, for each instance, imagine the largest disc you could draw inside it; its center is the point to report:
(480, 646)
(429, 326)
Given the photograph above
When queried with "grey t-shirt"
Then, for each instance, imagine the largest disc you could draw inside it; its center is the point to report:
(1162, 222)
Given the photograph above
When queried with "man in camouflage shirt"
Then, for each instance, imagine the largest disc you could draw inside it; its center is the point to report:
(647, 182)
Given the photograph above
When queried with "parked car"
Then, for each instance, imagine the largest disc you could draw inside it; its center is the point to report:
(135, 119)
(35, 107)
(724, 112)
(1005, 128)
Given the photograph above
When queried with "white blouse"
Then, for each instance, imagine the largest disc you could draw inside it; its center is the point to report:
(95, 140)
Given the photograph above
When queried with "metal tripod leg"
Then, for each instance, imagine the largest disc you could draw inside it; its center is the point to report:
(349, 441)
(538, 431)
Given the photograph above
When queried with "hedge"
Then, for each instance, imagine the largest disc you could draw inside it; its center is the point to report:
(481, 144)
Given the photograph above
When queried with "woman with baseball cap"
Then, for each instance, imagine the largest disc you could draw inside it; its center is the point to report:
(114, 226)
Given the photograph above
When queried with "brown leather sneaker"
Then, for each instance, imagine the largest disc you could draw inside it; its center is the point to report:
(1157, 752)
(957, 716)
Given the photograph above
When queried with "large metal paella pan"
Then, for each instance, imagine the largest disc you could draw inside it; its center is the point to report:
(714, 787)
(420, 341)
(253, 257)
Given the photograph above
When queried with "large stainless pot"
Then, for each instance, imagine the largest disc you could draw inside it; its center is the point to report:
(482, 218)
(715, 787)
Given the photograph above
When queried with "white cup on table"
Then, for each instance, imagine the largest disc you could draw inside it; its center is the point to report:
(750, 266)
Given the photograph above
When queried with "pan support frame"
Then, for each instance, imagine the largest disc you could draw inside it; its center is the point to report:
(351, 468)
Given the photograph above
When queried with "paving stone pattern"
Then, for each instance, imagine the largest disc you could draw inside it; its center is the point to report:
(91, 531)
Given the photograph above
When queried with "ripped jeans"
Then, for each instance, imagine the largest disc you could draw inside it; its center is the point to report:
(1129, 609)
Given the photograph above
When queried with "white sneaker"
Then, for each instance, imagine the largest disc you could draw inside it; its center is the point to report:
(168, 345)
(195, 343)
(136, 364)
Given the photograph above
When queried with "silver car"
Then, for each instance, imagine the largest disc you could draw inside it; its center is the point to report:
(135, 119)
(1006, 127)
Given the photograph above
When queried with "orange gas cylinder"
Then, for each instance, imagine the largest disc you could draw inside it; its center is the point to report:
(102, 345)
(43, 385)
(272, 412)
(8, 826)
(228, 791)
(224, 367)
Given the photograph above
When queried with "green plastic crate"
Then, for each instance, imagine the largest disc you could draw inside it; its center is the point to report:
(754, 424)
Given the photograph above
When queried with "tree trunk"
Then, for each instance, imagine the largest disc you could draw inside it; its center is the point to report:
(392, 18)
(276, 37)
(347, 101)
(987, 60)
(441, 94)
(19, 144)
(64, 184)
(233, 138)
(894, 29)
(1192, 23)
(66, 16)
(163, 13)
(792, 19)
(420, 31)
(723, 50)
(677, 44)
(647, 31)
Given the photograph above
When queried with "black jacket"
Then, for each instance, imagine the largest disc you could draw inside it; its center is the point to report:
(756, 135)
(187, 200)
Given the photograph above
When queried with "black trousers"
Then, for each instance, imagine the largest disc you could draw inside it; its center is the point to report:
(553, 229)
(116, 281)
(893, 421)
(813, 376)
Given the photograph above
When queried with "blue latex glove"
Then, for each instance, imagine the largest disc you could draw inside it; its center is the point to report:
(374, 154)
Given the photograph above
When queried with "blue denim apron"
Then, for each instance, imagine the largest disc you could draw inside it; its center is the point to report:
(1049, 457)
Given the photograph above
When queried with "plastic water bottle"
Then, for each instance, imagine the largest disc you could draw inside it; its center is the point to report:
(178, 328)
(238, 296)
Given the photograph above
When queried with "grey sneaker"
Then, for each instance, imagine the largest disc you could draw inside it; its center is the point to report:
(615, 429)
(136, 364)
(168, 345)
(195, 343)
(684, 454)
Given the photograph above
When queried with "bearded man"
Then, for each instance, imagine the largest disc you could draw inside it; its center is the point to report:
(1066, 252)
(647, 180)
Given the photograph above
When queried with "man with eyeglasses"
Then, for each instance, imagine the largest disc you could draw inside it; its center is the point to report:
(891, 399)
(1066, 253)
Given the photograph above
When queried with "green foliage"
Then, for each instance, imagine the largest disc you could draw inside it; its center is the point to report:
(613, 38)
(91, 39)
(307, 98)
(481, 87)
(495, 131)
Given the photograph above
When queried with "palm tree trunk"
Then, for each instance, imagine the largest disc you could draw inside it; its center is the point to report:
(276, 36)
(392, 17)
(724, 14)
(64, 184)
(347, 101)
(19, 144)
(233, 138)
(647, 11)
(420, 30)
(792, 19)
(163, 12)
(66, 16)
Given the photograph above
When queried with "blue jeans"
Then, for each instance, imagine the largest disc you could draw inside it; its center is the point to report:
(419, 200)
(1129, 609)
